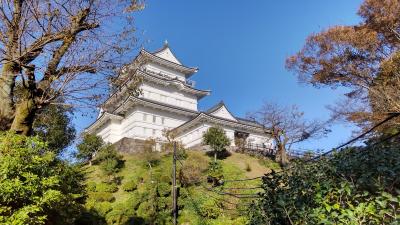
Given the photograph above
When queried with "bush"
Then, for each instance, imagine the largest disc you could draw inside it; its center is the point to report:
(210, 209)
(102, 196)
(164, 189)
(215, 173)
(130, 185)
(134, 200)
(109, 168)
(88, 147)
(121, 215)
(355, 186)
(104, 187)
(91, 186)
(35, 186)
(149, 155)
(180, 150)
(103, 208)
(108, 152)
(146, 210)
(192, 170)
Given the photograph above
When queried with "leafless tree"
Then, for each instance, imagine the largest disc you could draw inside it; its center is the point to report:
(59, 49)
(287, 126)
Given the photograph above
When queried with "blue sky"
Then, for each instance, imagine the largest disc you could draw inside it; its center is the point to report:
(241, 47)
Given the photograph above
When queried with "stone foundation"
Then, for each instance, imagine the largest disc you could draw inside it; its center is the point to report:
(129, 145)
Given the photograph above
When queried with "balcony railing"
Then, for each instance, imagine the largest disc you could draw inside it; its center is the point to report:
(258, 149)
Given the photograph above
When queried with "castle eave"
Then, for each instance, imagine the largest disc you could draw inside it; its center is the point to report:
(219, 121)
(131, 101)
(106, 116)
(145, 55)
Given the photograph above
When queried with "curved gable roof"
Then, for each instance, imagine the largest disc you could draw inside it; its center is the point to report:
(220, 110)
(167, 54)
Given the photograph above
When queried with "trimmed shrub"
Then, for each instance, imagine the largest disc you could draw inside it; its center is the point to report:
(110, 168)
(104, 187)
(107, 152)
(215, 173)
(102, 196)
(121, 215)
(130, 185)
(91, 186)
(134, 200)
(192, 170)
(103, 208)
(210, 209)
(146, 210)
(190, 174)
(164, 189)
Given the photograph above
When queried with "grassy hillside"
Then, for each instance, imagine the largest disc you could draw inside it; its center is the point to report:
(141, 191)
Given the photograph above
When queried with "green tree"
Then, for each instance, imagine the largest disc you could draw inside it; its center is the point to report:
(53, 125)
(110, 161)
(216, 138)
(89, 146)
(109, 167)
(36, 187)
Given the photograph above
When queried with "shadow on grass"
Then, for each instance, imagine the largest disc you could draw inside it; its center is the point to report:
(220, 155)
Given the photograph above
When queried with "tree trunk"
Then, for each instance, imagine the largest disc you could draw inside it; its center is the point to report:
(281, 156)
(215, 156)
(24, 116)
(7, 84)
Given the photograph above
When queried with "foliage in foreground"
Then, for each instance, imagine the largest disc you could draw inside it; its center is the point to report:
(358, 186)
(36, 187)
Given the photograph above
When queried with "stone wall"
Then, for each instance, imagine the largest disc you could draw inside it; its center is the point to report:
(129, 145)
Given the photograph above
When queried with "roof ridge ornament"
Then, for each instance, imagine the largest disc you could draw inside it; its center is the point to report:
(166, 43)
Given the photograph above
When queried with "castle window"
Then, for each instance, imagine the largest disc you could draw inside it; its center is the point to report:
(162, 120)
(144, 117)
(154, 119)
(154, 132)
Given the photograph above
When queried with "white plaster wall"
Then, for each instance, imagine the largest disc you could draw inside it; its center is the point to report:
(168, 95)
(231, 135)
(260, 140)
(144, 123)
(110, 132)
(166, 71)
(194, 136)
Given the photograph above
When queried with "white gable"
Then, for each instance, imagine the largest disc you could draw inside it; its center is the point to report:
(168, 55)
(223, 113)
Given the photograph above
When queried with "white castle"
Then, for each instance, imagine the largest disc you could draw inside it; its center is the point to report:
(168, 101)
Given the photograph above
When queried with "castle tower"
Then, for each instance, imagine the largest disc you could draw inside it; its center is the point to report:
(168, 100)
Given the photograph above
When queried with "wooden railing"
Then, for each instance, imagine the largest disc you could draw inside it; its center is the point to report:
(258, 149)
